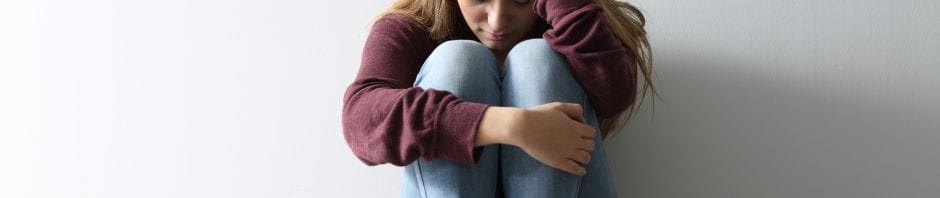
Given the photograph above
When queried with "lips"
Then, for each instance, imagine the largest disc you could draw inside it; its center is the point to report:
(495, 37)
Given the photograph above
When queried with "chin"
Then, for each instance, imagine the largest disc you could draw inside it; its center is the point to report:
(490, 45)
(497, 46)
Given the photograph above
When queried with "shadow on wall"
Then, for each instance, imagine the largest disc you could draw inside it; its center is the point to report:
(733, 126)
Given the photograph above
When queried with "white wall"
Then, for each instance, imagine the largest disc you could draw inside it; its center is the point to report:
(802, 98)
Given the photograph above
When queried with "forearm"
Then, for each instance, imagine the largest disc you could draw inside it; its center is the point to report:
(496, 125)
(553, 133)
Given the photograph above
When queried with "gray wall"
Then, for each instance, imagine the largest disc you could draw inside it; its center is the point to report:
(107, 98)
(788, 99)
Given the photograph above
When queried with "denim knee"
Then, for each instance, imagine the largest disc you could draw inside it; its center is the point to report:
(535, 74)
(533, 64)
(469, 71)
(461, 57)
(535, 46)
(465, 68)
(536, 57)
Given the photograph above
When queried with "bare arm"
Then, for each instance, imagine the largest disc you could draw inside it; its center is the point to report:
(553, 133)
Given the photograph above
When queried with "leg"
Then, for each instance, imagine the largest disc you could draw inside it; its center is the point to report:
(534, 75)
(468, 70)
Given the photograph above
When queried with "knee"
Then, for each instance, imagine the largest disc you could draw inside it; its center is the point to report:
(535, 74)
(536, 57)
(461, 57)
(461, 46)
(538, 46)
(466, 68)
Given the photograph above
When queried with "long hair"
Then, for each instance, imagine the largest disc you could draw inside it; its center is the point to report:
(626, 22)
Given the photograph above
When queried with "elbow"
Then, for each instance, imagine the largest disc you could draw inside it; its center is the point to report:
(354, 134)
(359, 144)
(615, 101)
(370, 134)
(368, 141)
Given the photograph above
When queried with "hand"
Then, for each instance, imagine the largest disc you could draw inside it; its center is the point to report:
(555, 134)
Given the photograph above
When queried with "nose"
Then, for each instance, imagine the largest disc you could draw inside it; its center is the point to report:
(498, 17)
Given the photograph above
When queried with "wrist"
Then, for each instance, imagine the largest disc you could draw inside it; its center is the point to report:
(497, 126)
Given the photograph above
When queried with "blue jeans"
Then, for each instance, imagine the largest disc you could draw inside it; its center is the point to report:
(534, 74)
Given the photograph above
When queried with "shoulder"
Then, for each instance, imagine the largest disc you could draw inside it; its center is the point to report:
(398, 36)
(398, 25)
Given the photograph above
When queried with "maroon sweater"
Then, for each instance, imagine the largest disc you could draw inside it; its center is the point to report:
(388, 120)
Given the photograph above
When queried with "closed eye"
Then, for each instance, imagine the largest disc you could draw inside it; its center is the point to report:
(477, 2)
(518, 2)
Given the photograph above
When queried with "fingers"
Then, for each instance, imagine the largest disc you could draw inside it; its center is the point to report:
(572, 167)
(587, 132)
(587, 145)
(581, 157)
(573, 111)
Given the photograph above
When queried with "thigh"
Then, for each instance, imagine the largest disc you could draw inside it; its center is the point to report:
(598, 182)
(524, 176)
(468, 70)
(445, 178)
(534, 75)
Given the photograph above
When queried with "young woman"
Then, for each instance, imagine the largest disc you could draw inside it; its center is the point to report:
(484, 98)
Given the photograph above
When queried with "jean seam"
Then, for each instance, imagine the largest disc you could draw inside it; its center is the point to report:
(420, 179)
(578, 187)
(584, 102)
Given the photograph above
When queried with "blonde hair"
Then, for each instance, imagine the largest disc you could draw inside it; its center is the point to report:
(625, 21)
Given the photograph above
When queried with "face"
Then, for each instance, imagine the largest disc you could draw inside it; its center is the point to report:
(499, 24)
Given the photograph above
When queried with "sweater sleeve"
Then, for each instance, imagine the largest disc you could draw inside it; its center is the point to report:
(600, 63)
(388, 120)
